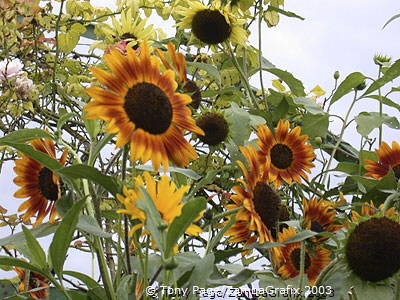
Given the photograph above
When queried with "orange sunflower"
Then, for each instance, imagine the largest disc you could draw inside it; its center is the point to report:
(259, 204)
(35, 281)
(38, 183)
(369, 209)
(286, 155)
(289, 259)
(140, 104)
(180, 67)
(388, 158)
(319, 216)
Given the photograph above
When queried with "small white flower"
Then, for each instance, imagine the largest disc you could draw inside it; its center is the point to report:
(23, 86)
(9, 69)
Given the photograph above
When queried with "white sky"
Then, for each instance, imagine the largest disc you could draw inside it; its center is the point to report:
(336, 35)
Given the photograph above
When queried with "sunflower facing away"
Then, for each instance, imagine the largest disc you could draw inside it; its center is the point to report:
(369, 209)
(35, 281)
(166, 197)
(285, 154)
(38, 183)
(212, 25)
(140, 104)
(180, 67)
(289, 259)
(319, 216)
(258, 202)
(388, 158)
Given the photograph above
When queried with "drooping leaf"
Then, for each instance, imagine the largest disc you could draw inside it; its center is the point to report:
(89, 224)
(37, 255)
(368, 121)
(88, 281)
(309, 105)
(38, 231)
(24, 135)
(315, 125)
(187, 172)
(392, 73)
(210, 69)
(295, 85)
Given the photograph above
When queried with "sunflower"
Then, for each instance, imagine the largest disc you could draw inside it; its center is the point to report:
(388, 158)
(38, 183)
(129, 28)
(180, 67)
(289, 260)
(319, 216)
(372, 248)
(369, 209)
(140, 104)
(35, 281)
(166, 197)
(259, 205)
(215, 127)
(212, 25)
(285, 154)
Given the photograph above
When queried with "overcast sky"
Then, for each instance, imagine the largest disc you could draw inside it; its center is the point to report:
(336, 35)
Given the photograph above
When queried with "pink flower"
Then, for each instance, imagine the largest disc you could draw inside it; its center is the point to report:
(23, 86)
(10, 69)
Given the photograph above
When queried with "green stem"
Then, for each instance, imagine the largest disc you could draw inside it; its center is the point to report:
(380, 108)
(57, 54)
(245, 81)
(126, 219)
(260, 18)
(302, 262)
(344, 126)
(397, 295)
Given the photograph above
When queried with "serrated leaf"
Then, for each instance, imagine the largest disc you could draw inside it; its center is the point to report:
(347, 85)
(60, 243)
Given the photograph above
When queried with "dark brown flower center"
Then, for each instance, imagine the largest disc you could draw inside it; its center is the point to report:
(210, 26)
(148, 107)
(281, 156)
(396, 170)
(317, 227)
(373, 248)
(267, 205)
(191, 87)
(215, 128)
(47, 187)
(295, 259)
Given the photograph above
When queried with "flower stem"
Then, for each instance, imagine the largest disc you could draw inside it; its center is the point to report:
(380, 108)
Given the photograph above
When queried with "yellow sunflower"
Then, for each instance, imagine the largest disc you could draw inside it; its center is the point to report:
(166, 197)
(289, 259)
(259, 204)
(38, 183)
(140, 104)
(369, 209)
(388, 158)
(212, 25)
(129, 28)
(35, 281)
(319, 216)
(285, 154)
(180, 67)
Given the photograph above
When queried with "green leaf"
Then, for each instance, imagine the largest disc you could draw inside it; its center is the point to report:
(190, 211)
(284, 12)
(68, 41)
(309, 104)
(391, 20)
(187, 172)
(237, 280)
(60, 243)
(126, 287)
(302, 235)
(38, 231)
(368, 121)
(24, 135)
(347, 85)
(89, 224)
(88, 281)
(295, 85)
(37, 155)
(315, 125)
(390, 74)
(15, 262)
(83, 171)
(7, 289)
(37, 255)
(64, 118)
(385, 101)
(93, 127)
(89, 33)
(153, 219)
(218, 237)
(239, 120)
(210, 69)
(347, 167)
(100, 145)
(201, 273)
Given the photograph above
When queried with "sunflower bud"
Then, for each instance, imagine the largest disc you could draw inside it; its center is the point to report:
(336, 75)
(318, 140)
(361, 86)
(380, 60)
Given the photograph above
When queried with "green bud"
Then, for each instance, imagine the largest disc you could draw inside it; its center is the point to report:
(361, 86)
(336, 75)
(318, 140)
(381, 60)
